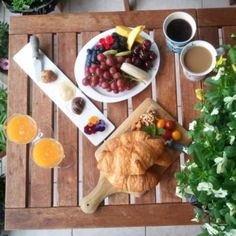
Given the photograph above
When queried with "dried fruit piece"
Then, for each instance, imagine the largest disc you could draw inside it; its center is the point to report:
(78, 104)
(48, 76)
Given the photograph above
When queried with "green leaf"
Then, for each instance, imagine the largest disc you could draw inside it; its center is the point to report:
(151, 130)
(160, 131)
(230, 151)
(230, 219)
(232, 124)
(233, 36)
(232, 55)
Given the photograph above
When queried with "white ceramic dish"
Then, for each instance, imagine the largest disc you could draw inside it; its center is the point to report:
(100, 94)
(24, 59)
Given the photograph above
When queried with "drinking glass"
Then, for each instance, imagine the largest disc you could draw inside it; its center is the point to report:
(47, 152)
(21, 129)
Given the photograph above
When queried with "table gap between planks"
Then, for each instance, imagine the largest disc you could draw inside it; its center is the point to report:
(39, 198)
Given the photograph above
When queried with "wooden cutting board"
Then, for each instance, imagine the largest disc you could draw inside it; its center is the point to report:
(134, 116)
(103, 188)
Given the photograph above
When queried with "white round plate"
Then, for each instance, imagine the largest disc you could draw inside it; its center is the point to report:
(100, 94)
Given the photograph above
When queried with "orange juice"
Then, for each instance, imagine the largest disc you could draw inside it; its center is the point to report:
(47, 152)
(21, 129)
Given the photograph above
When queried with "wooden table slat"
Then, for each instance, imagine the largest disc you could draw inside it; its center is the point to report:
(16, 154)
(41, 191)
(216, 17)
(67, 132)
(120, 216)
(90, 173)
(85, 22)
(167, 97)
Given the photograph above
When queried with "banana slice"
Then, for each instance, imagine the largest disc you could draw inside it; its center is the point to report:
(133, 35)
(124, 31)
(134, 71)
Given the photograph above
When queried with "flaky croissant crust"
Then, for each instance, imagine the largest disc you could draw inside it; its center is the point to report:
(133, 183)
(132, 153)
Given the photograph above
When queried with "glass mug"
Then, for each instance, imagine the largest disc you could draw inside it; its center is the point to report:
(45, 152)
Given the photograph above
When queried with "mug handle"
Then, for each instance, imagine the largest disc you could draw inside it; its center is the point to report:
(219, 52)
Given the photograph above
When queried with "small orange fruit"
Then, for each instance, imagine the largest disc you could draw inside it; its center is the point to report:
(176, 135)
(161, 123)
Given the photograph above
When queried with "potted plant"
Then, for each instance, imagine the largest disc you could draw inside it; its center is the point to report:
(210, 176)
(30, 6)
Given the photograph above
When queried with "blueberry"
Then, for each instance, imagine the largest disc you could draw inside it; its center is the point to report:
(89, 51)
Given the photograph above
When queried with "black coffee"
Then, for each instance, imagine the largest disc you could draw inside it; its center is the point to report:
(179, 30)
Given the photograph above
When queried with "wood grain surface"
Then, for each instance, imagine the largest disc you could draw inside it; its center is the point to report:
(120, 216)
(17, 161)
(87, 22)
(40, 102)
(67, 132)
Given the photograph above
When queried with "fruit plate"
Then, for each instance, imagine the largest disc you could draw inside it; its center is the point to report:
(99, 94)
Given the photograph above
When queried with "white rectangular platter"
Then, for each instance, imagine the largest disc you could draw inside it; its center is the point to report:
(25, 60)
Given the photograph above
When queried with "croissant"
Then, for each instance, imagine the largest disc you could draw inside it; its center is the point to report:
(134, 183)
(132, 153)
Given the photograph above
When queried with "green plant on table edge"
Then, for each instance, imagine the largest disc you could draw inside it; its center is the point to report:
(3, 47)
(210, 176)
(3, 115)
(20, 5)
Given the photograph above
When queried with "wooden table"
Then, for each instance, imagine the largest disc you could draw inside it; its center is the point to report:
(42, 198)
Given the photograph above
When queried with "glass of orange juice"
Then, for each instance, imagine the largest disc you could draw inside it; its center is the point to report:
(21, 129)
(47, 153)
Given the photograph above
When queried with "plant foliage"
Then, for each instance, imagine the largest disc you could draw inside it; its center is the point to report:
(20, 5)
(3, 40)
(3, 115)
(210, 176)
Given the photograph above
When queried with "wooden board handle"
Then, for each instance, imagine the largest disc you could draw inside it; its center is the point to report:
(103, 189)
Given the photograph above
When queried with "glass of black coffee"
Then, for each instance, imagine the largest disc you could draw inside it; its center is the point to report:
(179, 28)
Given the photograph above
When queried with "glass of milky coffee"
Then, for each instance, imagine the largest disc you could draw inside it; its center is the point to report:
(197, 59)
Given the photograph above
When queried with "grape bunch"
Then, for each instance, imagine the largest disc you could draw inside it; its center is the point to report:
(142, 55)
(107, 74)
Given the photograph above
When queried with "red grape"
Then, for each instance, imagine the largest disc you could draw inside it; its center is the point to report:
(92, 70)
(120, 59)
(106, 75)
(101, 57)
(99, 71)
(117, 75)
(128, 60)
(86, 81)
(112, 70)
(120, 83)
(105, 85)
(109, 60)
